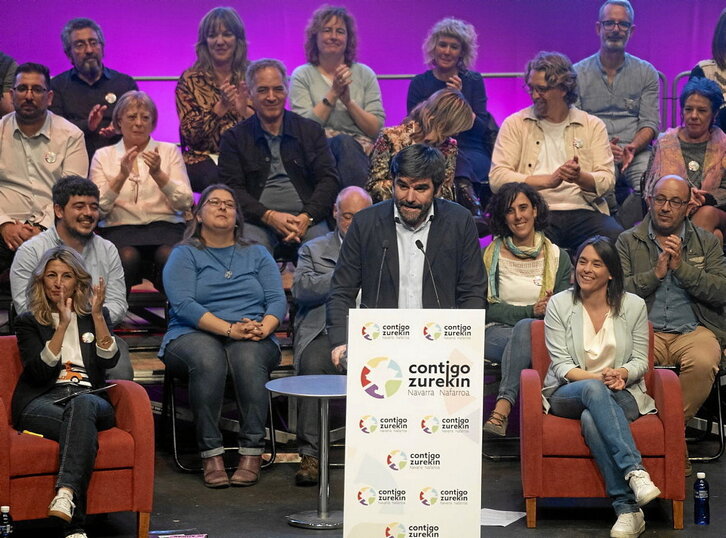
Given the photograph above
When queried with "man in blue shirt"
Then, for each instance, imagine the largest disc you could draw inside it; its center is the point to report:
(621, 90)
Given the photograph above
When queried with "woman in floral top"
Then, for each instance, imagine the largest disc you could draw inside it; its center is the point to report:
(211, 96)
(432, 122)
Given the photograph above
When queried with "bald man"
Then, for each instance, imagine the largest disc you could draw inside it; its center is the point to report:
(316, 261)
(680, 271)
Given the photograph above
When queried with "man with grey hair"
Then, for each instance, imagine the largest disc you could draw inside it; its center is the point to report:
(561, 151)
(621, 90)
(279, 164)
(86, 94)
(310, 288)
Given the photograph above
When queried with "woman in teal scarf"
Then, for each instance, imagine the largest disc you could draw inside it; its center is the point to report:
(524, 269)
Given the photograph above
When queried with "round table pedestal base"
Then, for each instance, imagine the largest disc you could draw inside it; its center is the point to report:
(311, 520)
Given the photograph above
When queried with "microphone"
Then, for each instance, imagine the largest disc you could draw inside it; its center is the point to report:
(420, 246)
(380, 270)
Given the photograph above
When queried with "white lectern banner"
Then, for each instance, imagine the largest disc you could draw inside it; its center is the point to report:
(413, 425)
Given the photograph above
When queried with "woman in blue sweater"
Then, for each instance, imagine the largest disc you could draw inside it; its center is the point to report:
(226, 301)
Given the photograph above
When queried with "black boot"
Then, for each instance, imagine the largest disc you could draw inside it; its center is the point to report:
(466, 197)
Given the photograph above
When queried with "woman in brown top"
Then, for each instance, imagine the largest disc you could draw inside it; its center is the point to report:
(211, 96)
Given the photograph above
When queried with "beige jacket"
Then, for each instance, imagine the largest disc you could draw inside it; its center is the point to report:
(521, 137)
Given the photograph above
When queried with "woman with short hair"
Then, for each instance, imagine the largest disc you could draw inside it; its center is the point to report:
(144, 191)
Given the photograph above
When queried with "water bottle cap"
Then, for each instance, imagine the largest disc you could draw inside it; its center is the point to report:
(5, 509)
(700, 476)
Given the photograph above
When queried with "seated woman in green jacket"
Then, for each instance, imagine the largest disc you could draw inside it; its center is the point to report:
(524, 269)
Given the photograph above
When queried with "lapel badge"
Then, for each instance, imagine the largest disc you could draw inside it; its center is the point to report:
(110, 98)
(50, 157)
(87, 338)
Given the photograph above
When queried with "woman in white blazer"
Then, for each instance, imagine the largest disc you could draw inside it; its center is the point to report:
(597, 338)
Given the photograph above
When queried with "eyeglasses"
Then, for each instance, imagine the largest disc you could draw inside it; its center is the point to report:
(81, 45)
(216, 202)
(35, 90)
(676, 203)
(540, 90)
(623, 25)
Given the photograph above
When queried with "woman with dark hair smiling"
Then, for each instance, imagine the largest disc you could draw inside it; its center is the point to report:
(226, 300)
(524, 269)
(597, 338)
(338, 92)
(211, 96)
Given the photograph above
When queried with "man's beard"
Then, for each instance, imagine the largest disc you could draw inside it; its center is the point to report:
(90, 67)
(413, 223)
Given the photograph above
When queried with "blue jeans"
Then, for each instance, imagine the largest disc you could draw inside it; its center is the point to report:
(568, 229)
(604, 421)
(205, 358)
(350, 159)
(75, 426)
(512, 347)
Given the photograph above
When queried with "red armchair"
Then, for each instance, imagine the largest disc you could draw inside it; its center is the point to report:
(123, 475)
(555, 460)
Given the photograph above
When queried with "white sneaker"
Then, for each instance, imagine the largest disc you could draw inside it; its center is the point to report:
(630, 525)
(79, 534)
(643, 487)
(62, 507)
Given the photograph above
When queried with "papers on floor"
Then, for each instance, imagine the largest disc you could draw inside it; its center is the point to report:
(499, 518)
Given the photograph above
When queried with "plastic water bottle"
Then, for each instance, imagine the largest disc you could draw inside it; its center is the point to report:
(701, 514)
(6, 522)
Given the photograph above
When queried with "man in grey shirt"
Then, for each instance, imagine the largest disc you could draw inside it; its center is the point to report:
(75, 203)
(621, 90)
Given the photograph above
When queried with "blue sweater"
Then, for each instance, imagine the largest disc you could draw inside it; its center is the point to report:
(194, 284)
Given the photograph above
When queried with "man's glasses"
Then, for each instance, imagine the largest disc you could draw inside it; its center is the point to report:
(216, 202)
(623, 25)
(35, 90)
(676, 203)
(539, 90)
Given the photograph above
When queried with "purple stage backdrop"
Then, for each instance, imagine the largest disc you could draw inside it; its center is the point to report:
(156, 38)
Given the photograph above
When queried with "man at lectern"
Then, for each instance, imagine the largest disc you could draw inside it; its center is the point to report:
(412, 251)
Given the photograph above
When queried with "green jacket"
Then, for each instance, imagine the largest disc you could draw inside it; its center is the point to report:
(702, 272)
(510, 314)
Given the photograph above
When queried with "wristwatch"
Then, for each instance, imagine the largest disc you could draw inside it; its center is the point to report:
(328, 103)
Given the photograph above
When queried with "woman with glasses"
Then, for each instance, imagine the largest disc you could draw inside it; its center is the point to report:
(696, 151)
(226, 300)
(450, 49)
(338, 92)
(211, 96)
(145, 191)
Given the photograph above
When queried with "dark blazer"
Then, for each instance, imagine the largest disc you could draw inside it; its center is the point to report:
(244, 164)
(37, 377)
(452, 249)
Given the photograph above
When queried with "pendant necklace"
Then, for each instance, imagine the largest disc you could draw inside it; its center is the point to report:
(228, 272)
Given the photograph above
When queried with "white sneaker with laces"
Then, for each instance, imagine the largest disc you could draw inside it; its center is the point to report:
(630, 525)
(62, 507)
(643, 487)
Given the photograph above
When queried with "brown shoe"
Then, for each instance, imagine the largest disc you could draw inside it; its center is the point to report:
(214, 474)
(497, 424)
(248, 471)
(307, 473)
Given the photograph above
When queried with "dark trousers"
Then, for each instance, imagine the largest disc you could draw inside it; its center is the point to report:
(568, 229)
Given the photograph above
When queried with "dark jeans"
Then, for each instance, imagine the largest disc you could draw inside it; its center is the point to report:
(512, 347)
(351, 160)
(568, 229)
(604, 416)
(314, 360)
(205, 358)
(75, 426)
